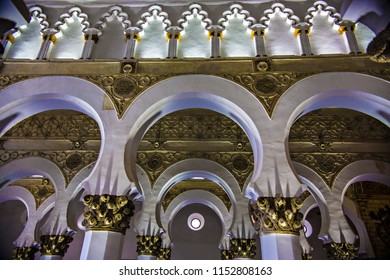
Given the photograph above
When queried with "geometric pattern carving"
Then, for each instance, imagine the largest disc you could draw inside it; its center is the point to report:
(40, 188)
(269, 87)
(329, 165)
(240, 164)
(124, 88)
(70, 161)
(107, 213)
(188, 185)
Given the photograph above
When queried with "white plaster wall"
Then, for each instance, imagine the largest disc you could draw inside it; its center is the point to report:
(70, 40)
(237, 40)
(27, 45)
(364, 36)
(153, 42)
(112, 42)
(194, 41)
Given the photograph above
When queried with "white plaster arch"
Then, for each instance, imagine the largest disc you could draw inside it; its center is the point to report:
(21, 194)
(360, 92)
(201, 197)
(365, 247)
(32, 96)
(25, 167)
(362, 170)
(320, 192)
(194, 91)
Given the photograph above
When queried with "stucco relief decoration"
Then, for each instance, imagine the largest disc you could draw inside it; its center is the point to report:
(149, 245)
(342, 251)
(24, 253)
(277, 214)
(55, 244)
(107, 213)
(268, 88)
(242, 248)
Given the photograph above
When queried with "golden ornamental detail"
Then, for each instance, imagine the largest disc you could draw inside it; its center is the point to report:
(149, 245)
(267, 87)
(242, 248)
(277, 214)
(164, 254)
(306, 256)
(342, 251)
(24, 253)
(107, 213)
(124, 88)
(56, 245)
(7, 80)
(226, 255)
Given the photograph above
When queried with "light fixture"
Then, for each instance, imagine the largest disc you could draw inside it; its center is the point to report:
(195, 221)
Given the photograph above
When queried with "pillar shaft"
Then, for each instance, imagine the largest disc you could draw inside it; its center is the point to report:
(347, 28)
(102, 245)
(280, 247)
(132, 36)
(173, 35)
(258, 36)
(48, 37)
(91, 37)
(215, 33)
(302, 31)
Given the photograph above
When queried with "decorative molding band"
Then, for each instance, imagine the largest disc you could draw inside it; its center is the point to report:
(55, 244)
(24, 253)
(149, 245)
(277, 214)
(108, 213)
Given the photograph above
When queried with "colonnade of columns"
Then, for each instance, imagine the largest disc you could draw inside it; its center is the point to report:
(107, 217)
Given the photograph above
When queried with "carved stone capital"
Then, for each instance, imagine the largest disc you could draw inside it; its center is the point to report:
(306, 256)
(277, 214)
(226, 255)
(164, 254)
(24, 253)
(149, 245)
(107, 213)
(55, 244)
(242, 248)
(342, 251)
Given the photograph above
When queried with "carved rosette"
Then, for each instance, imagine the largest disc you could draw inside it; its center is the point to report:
(342, 251)
(277, 215)
(56, 245)
(149, 245)
(226, 255)
(164, 253)
(107, 213)
(24, 253)
(242, 248)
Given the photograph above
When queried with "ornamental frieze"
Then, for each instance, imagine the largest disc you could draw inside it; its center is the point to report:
(70, 162)
(329, 165)
(267, 87)
(124, 88)
(7, 80)
(240, 164)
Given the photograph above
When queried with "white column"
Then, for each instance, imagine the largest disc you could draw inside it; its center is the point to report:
(91, 36)
(146, 257)
(302, 31)
(102, 245)
(275, 246)
(132, 36)
(48, 37)
(173, 34)
(258, 37)
(215, 33)
(348, 29)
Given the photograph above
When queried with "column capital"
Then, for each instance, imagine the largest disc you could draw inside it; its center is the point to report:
(302, 27)
(24, 253)
(277, 214)
(342, 251)
(132, 32)
(257, 29)
(173, 30)
(215, 31)
(50, 33)
(148, 245)
(55, 244)
(107, 213)
(93, 33)
(241, 248)
(164, 253)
